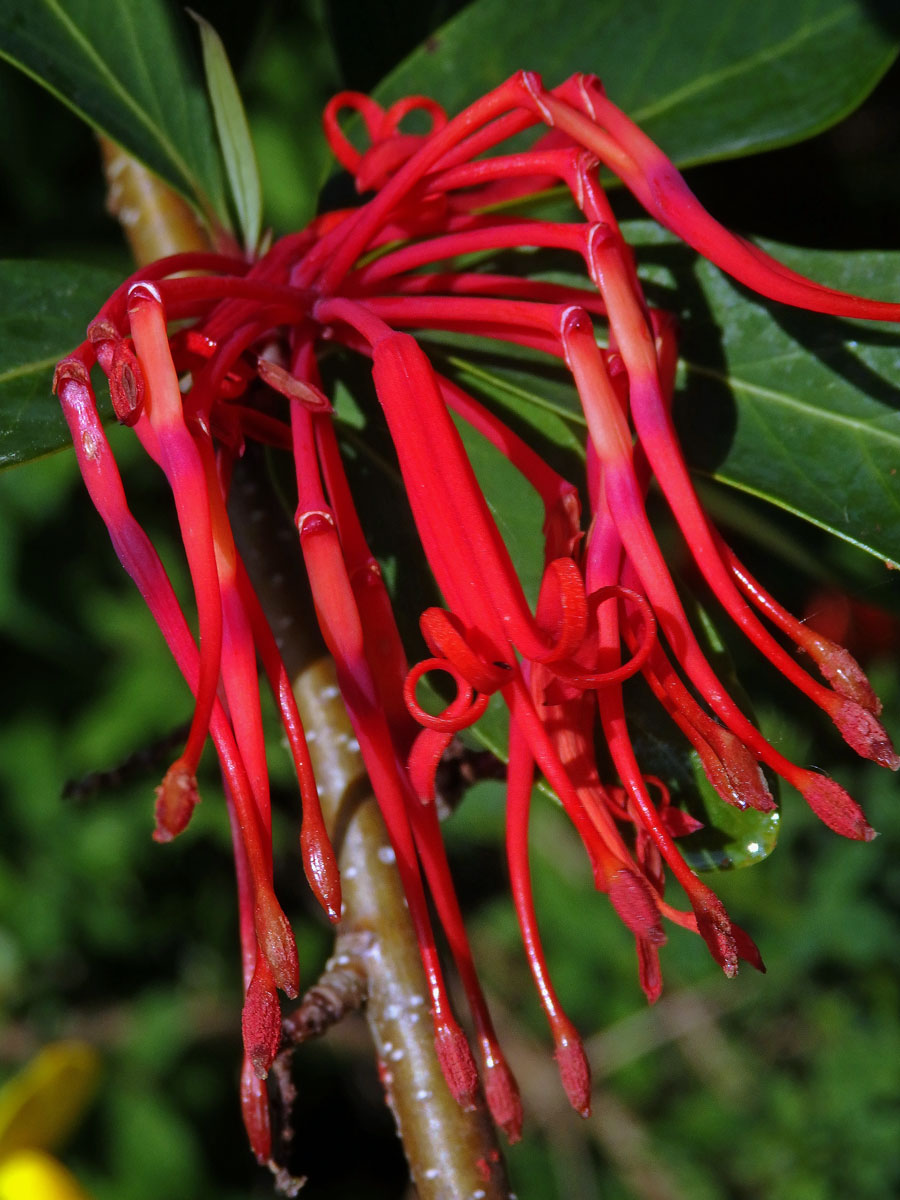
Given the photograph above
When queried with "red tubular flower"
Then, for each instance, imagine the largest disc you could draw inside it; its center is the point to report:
(243, 364)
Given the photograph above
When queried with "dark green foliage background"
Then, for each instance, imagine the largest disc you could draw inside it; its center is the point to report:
(784, 1086)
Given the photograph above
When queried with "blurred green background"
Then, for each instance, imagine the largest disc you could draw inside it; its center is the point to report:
(785, 1086)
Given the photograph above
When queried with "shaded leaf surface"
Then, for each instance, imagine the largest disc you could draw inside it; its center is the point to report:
(800, 409)
(705, 81)
(44, 308)
(126, 70)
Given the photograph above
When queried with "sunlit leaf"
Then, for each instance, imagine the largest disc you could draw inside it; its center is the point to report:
(800, 409)
(705, 81)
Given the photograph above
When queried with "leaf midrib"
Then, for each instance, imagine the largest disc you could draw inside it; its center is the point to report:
(714, 78)
(861, 426)
(39, 364)
(121, 94)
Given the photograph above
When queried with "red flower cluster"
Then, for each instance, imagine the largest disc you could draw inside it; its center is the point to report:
(190, 343)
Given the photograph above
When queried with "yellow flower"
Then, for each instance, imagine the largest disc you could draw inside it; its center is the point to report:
(39, 1108)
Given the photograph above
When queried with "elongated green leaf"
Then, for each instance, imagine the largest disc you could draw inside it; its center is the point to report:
(44, 307)
(234, 134)
(125, 69)
(707, 81)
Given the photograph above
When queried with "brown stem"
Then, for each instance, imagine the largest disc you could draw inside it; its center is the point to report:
(451, 1154)
(155, 220)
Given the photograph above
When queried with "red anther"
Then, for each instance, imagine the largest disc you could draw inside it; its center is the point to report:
(126, 384)
(102, 330)
(844, 673)
(255, 1112)
(679, 823)
(104, 337)
(289, 385)
(715, 927)
(745, 779)
(862, 730)
(261, 1019)
(574, 1071)
(320, 867)
(503, 1100)
(836, 808)
(176, 799)
(649, 973)
(747, 949)
(276, 940)
(635, 903)
(455, 1056)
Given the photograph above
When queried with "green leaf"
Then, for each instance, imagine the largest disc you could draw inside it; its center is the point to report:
(44, 308)
(800, 409)
(705, 81)
(126, 70)
(234, 134)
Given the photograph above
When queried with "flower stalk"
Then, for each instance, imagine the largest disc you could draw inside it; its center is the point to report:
(203, 364)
